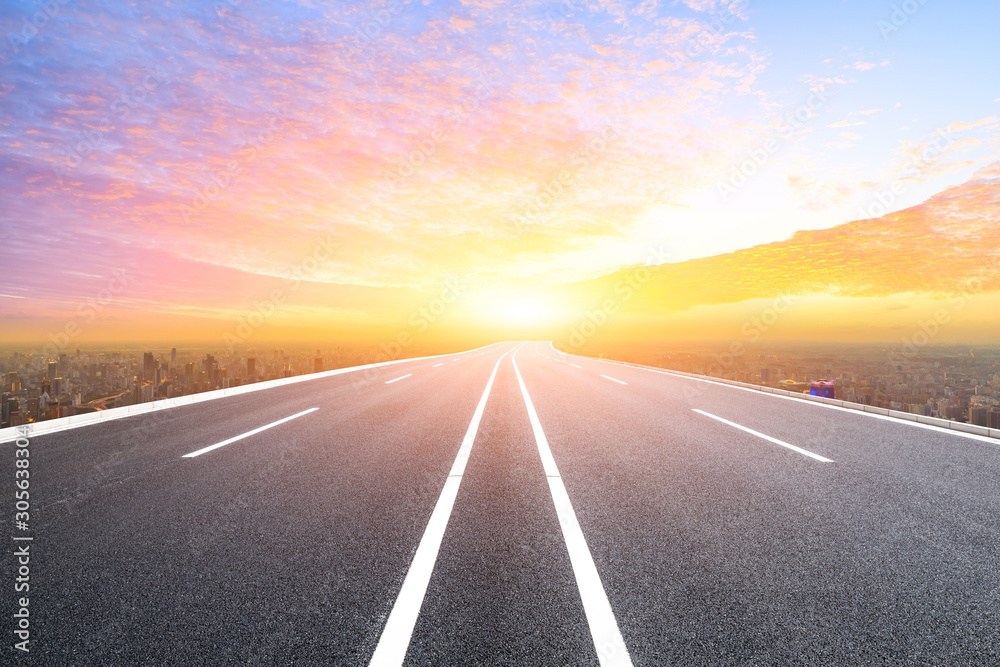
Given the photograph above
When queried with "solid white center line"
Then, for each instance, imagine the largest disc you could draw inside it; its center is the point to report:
(401, 377)
(572, 364)
(247, 434)
(611, 649)
(613, 380)
(766, 437)
(395, 639)
(436, 365)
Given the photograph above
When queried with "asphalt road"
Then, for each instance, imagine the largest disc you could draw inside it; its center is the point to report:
(422, 514)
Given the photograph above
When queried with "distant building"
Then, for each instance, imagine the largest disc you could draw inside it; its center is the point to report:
(5, 410)
(34, 409)
(979, 416)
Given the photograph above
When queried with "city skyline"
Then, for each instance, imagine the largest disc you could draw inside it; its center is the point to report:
(945, 382)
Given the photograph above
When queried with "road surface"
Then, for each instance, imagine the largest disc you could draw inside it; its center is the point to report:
(511, 505)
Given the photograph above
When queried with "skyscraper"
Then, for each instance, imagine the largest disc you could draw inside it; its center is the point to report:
(148, 365)
(979, 415)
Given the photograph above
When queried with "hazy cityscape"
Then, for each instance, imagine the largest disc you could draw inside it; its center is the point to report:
(37, 387)
(956, 383)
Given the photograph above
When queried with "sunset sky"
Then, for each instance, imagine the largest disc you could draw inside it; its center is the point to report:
(356, 170)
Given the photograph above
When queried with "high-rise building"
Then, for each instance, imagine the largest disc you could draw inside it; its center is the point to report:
(173, 356)
(251, 367)
(979, 415)
(5, 410)
(52, 371)
(318, 365)
(11, 413)
(148, 365)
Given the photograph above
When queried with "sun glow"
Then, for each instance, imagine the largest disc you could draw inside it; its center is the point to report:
(517, 309)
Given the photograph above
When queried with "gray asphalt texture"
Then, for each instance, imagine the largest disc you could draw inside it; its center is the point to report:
(714, 546)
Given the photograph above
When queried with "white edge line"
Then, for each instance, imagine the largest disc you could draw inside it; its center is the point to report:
(247, 434)
(398, 630)
(765, 437)
(12, 433)
(402, 377)
(608, 640)
(613, 380)
(853, 411)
